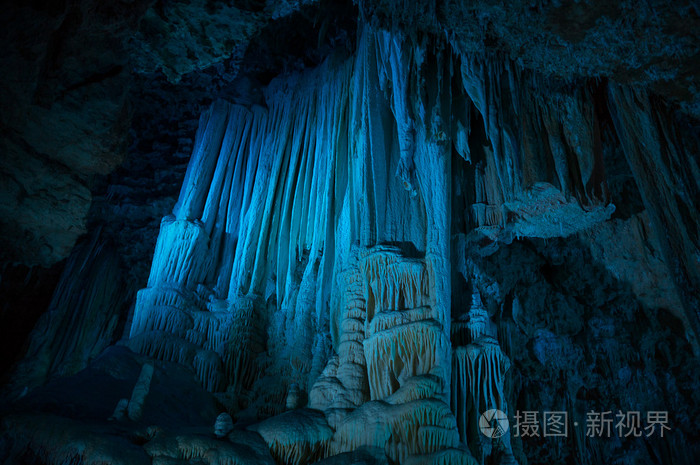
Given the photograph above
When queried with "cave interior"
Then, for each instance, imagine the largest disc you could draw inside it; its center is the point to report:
(350, 232)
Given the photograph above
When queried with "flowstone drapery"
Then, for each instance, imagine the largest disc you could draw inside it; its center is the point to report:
(273, 200)
(307, 261)
(272, 259)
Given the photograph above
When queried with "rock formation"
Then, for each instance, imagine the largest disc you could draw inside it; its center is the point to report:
(375, 243)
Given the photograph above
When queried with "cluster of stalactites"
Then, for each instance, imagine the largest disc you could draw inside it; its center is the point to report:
(478, 382)
(538, 169)
(259, 184)
(394, 282)
(404, 331)
(529, 131)
(253, 204)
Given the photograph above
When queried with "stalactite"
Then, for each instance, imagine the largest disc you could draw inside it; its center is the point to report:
(181, 258)
(244, 341)
(396, 283)
(209, 370)
(403, 336)
(219, 244)
(394, 63)
(163, 346)
(312, 247)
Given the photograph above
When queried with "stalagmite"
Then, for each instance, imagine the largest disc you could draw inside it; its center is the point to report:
(343, 382)
(138, 395)
(293, 397)
(417, 387)
(327, 392)
(223, 425)
(361, 456)
(120, 411)
(478, 317)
